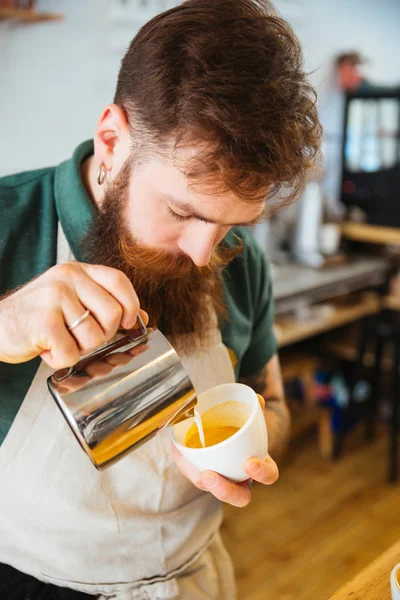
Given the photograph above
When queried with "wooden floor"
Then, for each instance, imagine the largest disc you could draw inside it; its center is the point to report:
(308, 534)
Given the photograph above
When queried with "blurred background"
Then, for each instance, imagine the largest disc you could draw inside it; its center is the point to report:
(334, 259)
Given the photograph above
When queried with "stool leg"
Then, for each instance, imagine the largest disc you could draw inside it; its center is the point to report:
(363, 335)
(393, 456)
(337, 445)
(361, 351)
(325, 435)
(373, 401)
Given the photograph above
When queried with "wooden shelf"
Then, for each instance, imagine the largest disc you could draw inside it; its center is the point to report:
(28, 16)
(372, 234)
(289, 331)
(391, 302)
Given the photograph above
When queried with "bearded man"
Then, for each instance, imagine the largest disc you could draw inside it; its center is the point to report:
(212, 127)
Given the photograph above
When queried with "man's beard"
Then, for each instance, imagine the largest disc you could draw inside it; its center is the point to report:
(175, 293)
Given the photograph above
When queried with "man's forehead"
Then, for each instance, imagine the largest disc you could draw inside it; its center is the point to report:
(206, 199)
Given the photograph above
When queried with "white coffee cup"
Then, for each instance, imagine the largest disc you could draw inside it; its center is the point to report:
(228, 457)
(394, 586)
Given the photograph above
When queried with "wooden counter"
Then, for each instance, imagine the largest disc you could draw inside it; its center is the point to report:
(373, 583)
(294, 285)
(288, 331)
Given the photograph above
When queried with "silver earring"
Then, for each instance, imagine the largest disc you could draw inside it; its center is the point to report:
(101, 174)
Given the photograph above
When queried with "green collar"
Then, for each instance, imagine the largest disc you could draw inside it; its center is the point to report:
(74, 207)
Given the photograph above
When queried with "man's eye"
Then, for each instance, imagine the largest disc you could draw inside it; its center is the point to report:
(178, 217)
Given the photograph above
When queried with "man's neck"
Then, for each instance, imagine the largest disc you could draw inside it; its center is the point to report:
(89, 178)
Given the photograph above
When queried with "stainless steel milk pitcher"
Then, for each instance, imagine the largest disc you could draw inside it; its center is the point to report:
(121, 395)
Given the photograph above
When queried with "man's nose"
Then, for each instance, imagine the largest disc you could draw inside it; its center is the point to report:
(198, 242)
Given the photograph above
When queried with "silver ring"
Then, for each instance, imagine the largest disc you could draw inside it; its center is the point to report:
(80, 320)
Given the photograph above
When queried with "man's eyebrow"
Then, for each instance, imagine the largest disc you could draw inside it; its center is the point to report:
(191, 212)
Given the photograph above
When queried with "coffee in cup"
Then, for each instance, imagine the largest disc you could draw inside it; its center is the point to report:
(235, 429)
(217, 424)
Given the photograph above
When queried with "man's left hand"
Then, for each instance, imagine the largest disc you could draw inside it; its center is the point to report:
(238, 494)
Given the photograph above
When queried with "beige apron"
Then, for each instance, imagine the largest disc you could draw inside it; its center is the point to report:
(137, 530)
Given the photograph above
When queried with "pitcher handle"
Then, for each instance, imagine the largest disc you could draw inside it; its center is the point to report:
(133, 335)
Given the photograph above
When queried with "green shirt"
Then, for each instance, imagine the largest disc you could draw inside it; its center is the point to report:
(32, 203)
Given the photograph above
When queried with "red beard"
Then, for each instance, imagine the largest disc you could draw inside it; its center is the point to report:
(175, 293)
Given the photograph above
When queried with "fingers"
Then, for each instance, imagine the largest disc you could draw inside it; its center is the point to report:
(63, 350)
(119, 359)
(261, 401)
(119, 286)
(88, 334)
(107, 311)
(104, 308)
(98, 368)
(187, 468)
(264, 471)
(138, 350)
(107, 294)
(145, 318)
(43, 310)
(72, 384)
(237, 494)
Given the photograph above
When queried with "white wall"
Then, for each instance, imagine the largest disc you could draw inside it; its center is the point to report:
(56, 77)
(335, 26)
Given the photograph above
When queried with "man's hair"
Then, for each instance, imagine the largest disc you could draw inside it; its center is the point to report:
(353, 58)
(225, 77)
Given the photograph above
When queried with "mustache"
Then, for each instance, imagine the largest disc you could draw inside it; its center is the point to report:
(160, 263)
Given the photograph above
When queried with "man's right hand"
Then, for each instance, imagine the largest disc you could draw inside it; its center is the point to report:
(34, 320)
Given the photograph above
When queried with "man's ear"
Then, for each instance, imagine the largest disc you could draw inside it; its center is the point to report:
(112, 139)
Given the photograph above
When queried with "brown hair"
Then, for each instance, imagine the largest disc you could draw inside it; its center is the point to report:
(227, 77)
(352, 58)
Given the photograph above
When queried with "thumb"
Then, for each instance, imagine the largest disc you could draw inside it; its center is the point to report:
(261, 401)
